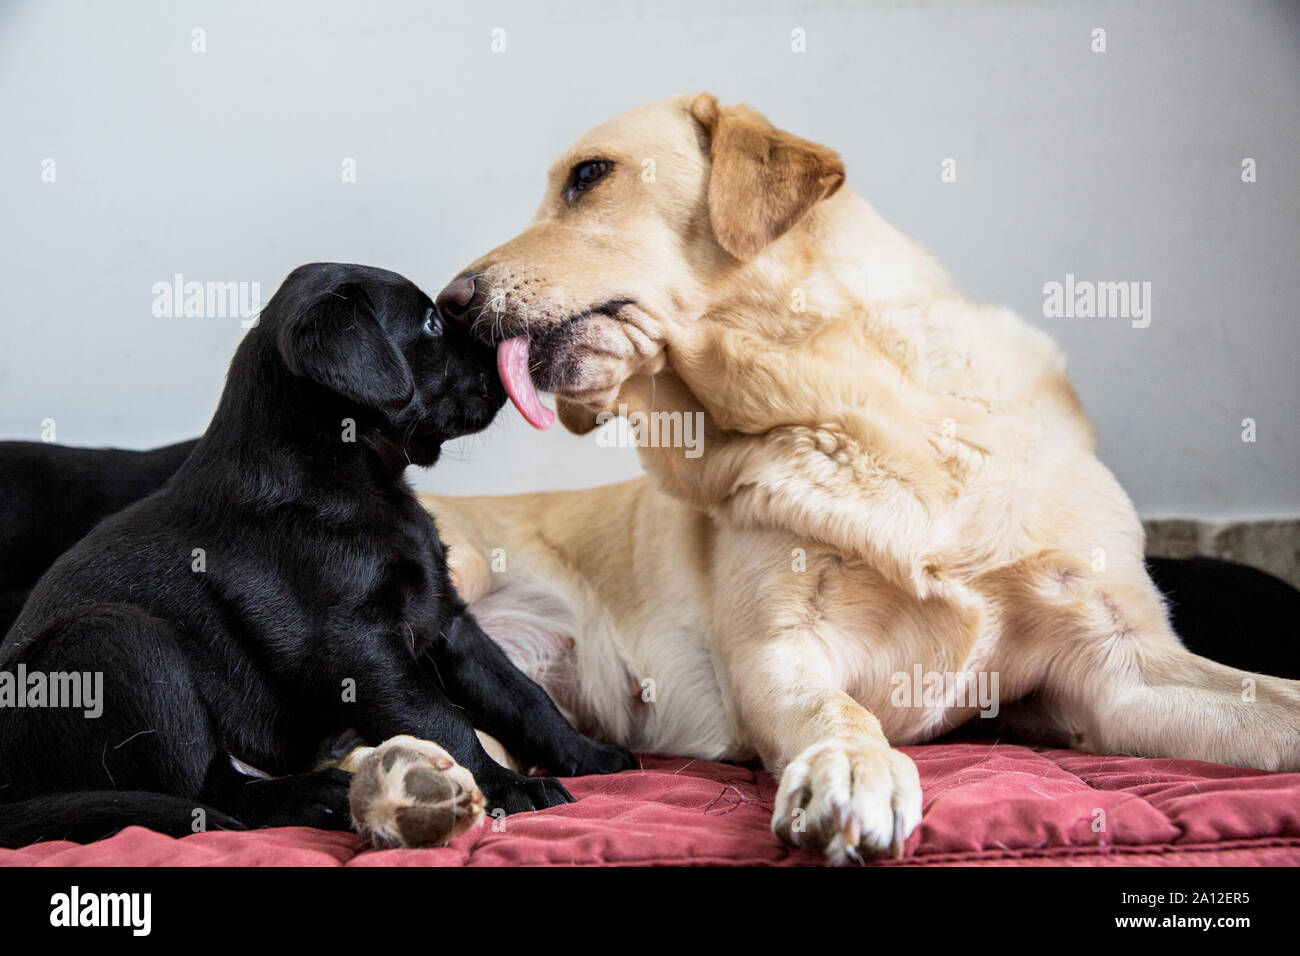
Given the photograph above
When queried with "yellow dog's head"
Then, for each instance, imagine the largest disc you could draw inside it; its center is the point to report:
(653, 220)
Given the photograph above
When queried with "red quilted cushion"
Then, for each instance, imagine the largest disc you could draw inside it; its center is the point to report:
(984, 804)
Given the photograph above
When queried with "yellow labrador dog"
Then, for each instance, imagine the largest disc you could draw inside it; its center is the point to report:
(896, 500)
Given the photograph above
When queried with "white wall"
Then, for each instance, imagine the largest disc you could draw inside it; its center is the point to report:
(225, 165)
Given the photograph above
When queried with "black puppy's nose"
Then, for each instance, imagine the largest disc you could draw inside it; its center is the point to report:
(456, 297)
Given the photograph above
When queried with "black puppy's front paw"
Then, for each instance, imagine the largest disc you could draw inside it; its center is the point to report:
(516, 793)
(595, 758)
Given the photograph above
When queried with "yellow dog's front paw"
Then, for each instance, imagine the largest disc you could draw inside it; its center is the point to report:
(409, 792)
(848, 798)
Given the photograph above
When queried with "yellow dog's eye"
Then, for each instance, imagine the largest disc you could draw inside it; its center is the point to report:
(585, 175)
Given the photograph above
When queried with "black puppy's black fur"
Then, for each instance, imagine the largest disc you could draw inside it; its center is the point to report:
(1232, 613)
(282, 587)
(51, 495)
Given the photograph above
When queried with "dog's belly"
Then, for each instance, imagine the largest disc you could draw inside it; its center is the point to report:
(643, 673)
(647, 681)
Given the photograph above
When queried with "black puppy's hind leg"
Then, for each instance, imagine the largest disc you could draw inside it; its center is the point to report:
(122, 736)
(315, 799)
(143, 733)
(409, 792)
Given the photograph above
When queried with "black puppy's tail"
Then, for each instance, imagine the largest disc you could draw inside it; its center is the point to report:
(93, 814)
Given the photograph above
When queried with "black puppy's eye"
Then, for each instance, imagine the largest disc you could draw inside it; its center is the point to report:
(585, 175)
(432, 324)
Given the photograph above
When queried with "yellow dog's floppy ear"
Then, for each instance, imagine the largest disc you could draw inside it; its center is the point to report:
(763, 180)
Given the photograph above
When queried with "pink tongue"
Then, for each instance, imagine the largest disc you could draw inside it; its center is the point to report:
(512, 366)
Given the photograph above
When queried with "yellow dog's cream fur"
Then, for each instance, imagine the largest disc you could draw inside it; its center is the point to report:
(891, 476)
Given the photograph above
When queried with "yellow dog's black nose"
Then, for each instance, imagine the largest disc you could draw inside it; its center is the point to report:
(454, 300)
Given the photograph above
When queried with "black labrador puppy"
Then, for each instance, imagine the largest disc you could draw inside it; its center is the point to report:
(51, 495)
(284, 586)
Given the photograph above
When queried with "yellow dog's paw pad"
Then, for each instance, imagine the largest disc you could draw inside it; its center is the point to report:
(408, 793)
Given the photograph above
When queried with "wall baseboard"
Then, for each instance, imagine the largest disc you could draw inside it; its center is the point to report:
(1272, 545)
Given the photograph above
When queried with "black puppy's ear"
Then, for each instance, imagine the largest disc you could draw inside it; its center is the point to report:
(337, 341)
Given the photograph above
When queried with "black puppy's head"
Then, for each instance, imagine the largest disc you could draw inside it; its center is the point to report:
(372, 338)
